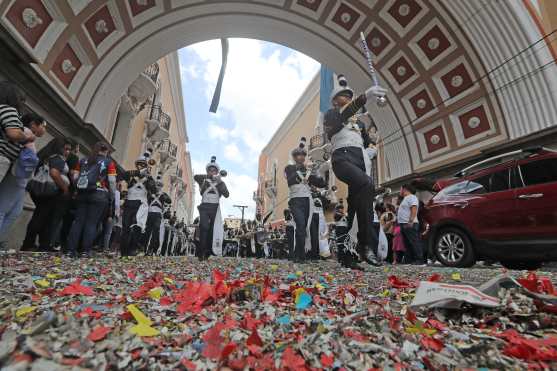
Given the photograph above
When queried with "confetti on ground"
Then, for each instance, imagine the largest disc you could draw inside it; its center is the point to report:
(238, 314)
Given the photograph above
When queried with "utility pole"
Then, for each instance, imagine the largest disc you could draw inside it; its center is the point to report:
(242, 207)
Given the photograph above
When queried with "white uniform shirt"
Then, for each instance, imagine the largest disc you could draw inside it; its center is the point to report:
(404, 209)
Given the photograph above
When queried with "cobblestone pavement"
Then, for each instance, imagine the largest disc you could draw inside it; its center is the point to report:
(176, 313)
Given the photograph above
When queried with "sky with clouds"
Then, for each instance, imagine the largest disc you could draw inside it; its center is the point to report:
(262, 83)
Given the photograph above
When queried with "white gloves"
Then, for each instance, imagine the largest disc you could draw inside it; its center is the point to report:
(375, 92)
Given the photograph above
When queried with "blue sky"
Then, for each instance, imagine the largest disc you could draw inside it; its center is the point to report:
(262, 83)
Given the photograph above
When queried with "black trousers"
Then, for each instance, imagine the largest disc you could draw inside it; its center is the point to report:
(290, 241)
(411, 235)
(165, 239)
(152, 233)
(299, 207)
(207, 214)
(349, 166)
(130, 235)
(41, 223)
(314, 236)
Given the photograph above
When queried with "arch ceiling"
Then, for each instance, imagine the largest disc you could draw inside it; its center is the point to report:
(431, 54)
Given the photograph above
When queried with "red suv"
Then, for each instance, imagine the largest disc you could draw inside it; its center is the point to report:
(503, 208)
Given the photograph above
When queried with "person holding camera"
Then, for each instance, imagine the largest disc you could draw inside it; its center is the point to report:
(211, 188)
(136, 207)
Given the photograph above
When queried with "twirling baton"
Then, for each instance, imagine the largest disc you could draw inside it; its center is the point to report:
(381, 100)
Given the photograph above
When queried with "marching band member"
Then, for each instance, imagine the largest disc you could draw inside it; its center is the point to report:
(136, 207)
(300, 203)
(351, 162)
(157, 203)
(211, 188)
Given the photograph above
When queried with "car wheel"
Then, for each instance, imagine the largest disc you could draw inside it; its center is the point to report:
(520, 265)
(453, 248)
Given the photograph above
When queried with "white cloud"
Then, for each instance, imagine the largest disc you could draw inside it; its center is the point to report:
(241, 188)
(232, 153)
(190, 70)
(258, 90)
(217, 132)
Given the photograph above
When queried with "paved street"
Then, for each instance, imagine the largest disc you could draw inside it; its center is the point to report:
(167, 313)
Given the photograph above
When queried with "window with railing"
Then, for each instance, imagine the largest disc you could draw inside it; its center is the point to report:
(159, 115)
(153, 72)
(168, 147)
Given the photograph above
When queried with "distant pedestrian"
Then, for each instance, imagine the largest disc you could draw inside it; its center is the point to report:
(407, 218)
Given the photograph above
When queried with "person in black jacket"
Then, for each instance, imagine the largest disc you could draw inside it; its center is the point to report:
(351, 164)
(299, 179)
(211, 188)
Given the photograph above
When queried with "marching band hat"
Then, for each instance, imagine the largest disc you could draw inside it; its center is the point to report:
(144, 158)
(212, 164)
(342, 89)
(301, 149)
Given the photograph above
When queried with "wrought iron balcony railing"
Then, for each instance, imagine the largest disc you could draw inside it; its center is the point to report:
(159, 115)
(168, 147)
(153, 72)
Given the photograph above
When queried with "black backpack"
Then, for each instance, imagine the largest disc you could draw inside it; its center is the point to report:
(91, 176)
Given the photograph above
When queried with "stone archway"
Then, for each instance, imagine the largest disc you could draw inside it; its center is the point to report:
(431, 55)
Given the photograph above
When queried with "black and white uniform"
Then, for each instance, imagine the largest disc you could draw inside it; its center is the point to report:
(136, 209)
(351, 164)
(157, 204)
(301, 205)
(209, 215)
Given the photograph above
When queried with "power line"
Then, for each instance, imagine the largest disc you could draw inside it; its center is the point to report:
(492, 92)
(409, 123)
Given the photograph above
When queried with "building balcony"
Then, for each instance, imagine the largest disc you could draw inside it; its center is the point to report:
(145, 85)
(167, 151)
(157, 124)
(270, 189)
(153, 72)
(319, 148)
(176, 176)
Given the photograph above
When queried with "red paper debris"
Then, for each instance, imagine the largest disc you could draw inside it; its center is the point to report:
(99, 333)
(76, 288)
(228, 350)
(254, 339)
(327, 361)
(435, 277)
(292, 361)
(431, 343)
(189, 365)
(398, 283)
